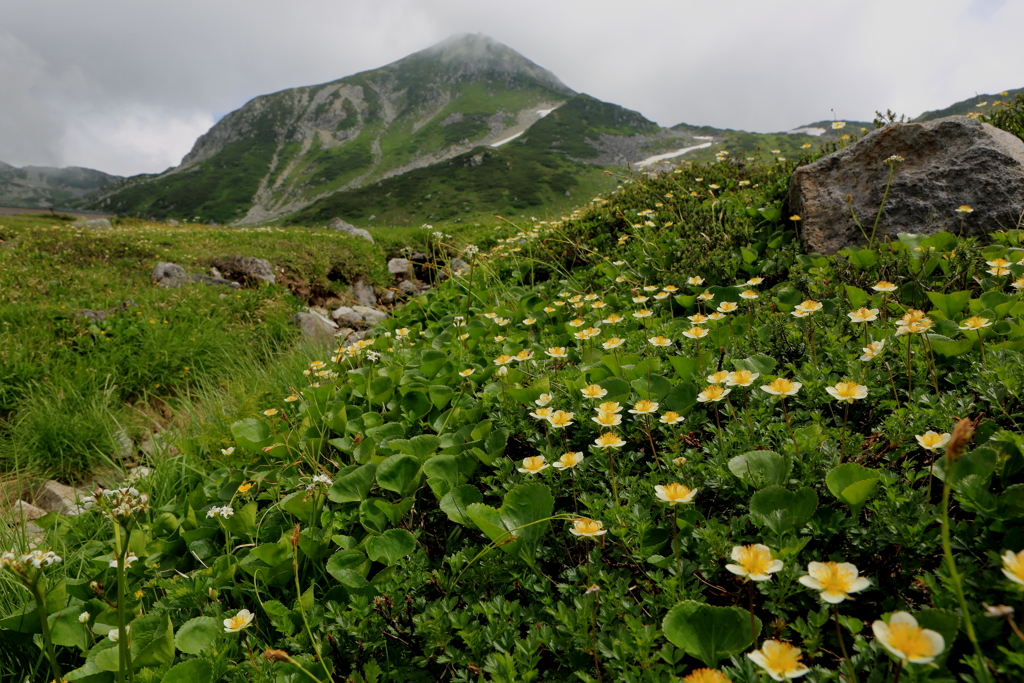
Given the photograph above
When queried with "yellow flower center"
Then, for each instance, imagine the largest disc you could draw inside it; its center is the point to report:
(707, 676)
(741, 377)
(713, 392)
(587, 527)
(781, 385)
(645, 406)
(676, 491)
(534, 463)
(835, 579)
(781, 658)
(847, 390)
(238, 621)
(754, 560)
(910, 640)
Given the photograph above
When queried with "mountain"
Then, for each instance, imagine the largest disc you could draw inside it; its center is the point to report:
(281, 152)
(44, 187)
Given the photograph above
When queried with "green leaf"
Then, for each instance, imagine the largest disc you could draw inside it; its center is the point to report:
(66, 630)
(152, 641)
(354, 486)
(950, 304)
(761, 468)
(456, 502)
(190, 671)
(390, 546)
(782, 510)
(398, 473)
(419, 446)
(949, 348)
(682, 397)
(521, 521)
(372, 517)
(709, 633)
(685, 366)
(344, 560)
(857, 296)
(615, 387)
(759, 363)
(243, 522)
(440, 395)
(653, 388)
(852, 484)
(250, 433)
(198, 635)
(495, 443)
(415, 405)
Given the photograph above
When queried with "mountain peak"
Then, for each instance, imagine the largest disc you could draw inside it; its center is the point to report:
(475, 56)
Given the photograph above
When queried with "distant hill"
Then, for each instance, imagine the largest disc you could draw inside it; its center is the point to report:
(45, 187)
(981, 104)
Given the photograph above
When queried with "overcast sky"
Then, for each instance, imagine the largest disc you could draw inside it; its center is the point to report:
(126, 86)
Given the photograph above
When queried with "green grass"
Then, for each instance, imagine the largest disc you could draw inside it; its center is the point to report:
(68, 384)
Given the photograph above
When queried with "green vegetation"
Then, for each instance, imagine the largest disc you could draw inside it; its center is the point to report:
(568, 129)
(70, 384)
(646, 439)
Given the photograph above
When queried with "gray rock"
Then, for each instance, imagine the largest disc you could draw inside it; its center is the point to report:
(948, 163)
(25, 511)
(407, 287)
(173, 223)
(169, 275)
(314, 326)
(123, 446)
(363, 293)
(93, 224)
(344, 333)
(246, 269)
(214, 272)
(207, 280)
(140, 472)
(399, 266)
(59, 498)
(94, 316)
(342, 226)
(388, 296)
(347, 315)
(370, 316)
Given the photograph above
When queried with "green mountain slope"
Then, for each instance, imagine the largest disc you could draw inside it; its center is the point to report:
(46, 187)
(283, 151)
(548, 169)
(980, 104)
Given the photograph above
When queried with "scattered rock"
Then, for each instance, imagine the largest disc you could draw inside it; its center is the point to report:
(216, 273)
(348, 315)
(370, 316)
(140, 472)
(363, 293)
(455, 268)
(246, 269)
(25, 511)
(342, 226)
(315, 326)
(169, 275)
(388, 297)
(399, 266)
(93, 224)
(123, 445)
(407, 287)
(59, 498)
(173, 223)
(100, 316)
(947, 163)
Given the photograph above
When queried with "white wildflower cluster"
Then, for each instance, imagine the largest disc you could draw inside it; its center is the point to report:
(470, 250)
(129, 560)
(37, 559)
(120, 504)
(351, 351)
(319, 481)
(224, 512)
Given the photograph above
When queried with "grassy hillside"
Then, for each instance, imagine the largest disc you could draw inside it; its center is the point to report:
(979, 104)
(651, 442)
(156, 345)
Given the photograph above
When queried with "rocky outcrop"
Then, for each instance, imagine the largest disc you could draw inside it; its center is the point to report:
(946, 163)
(60, 498)
(172, 275)
(342, 226)
(246, 269)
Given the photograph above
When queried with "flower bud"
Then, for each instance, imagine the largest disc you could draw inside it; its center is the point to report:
(962, 434)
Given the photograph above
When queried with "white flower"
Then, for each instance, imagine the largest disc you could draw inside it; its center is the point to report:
(238, 622)
(83, 617)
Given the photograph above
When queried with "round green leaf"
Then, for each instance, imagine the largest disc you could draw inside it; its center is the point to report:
(709, 633)
(354, 486)
(190, 671)
(390, 546)
(852, 484)
(781, 510)
(198, 635)
(397, 472)
(761, 468)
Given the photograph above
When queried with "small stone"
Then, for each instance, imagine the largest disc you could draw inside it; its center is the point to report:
(407, 287)
(59, 498)
(363, 293)
(93, 224)
(399, 266)
(173, 223)
(25, 511)
(314, 326)
(342, 226)
(169, 275)
(370, 316)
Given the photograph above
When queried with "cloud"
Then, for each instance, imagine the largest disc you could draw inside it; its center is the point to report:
(127, 86)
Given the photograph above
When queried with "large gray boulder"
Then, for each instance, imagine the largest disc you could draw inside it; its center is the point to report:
(246, 269)
(947, 163)
(169, 275)
(363, 293)
(342, 226)
(315, 326)
(60, 498)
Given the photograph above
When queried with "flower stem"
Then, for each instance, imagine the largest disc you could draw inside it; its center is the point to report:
(123, 644)
(47, 640)
(842, 645)
(954, 575)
